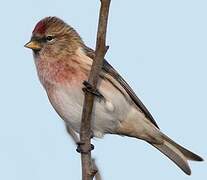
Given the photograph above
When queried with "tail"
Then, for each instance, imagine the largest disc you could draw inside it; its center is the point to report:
(178, 154)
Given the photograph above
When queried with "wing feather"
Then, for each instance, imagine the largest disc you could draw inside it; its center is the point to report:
(110, 70)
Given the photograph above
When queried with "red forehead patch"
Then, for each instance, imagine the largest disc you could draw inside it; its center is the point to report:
(40, 28)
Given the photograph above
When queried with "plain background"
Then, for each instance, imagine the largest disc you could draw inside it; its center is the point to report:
(160, 49)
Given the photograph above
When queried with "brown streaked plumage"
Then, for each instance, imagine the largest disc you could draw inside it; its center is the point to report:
(63, 62)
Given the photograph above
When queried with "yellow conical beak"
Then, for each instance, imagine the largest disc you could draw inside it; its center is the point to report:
(34, 45)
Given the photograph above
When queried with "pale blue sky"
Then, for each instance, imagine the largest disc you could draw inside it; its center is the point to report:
(160, 49)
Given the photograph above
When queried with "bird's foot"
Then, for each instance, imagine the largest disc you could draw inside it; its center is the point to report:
(89, 88)
(82, 149)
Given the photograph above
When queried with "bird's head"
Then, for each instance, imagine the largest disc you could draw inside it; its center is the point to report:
(53, 37)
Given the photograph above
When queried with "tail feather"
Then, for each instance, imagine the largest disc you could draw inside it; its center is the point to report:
(178, 154)
(188, 154)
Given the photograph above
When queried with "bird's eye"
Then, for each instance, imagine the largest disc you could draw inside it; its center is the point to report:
(49, 38)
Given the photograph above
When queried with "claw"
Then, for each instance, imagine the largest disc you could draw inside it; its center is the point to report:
(88, 87)
(80, 148)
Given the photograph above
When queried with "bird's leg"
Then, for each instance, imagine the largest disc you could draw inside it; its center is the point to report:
(81, 149)
(89, 88)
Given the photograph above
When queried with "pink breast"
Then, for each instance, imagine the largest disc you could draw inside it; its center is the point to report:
(60, 72)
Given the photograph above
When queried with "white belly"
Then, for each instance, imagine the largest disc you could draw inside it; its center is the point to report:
(106, 115)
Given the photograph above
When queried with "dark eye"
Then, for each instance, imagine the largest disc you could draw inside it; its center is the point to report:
(49, 38)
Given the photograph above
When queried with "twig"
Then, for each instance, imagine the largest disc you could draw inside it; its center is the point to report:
(85, 132)
(75, 139)
(95, 167)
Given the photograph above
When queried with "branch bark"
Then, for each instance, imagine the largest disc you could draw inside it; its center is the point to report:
(88, 172)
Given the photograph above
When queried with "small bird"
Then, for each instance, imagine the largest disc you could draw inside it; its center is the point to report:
(63, 63)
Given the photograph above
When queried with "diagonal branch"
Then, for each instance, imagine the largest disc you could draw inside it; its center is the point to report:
(85, 131)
